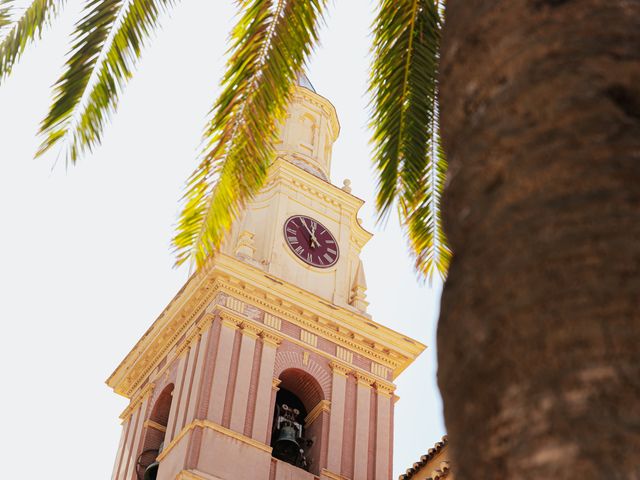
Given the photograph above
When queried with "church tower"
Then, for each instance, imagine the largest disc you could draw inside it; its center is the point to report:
(266, 364)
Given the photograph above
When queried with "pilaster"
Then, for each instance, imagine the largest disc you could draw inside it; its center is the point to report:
(384, 448)
(336, 420)
(243, 377)
(362, 413)
(264, 395)
(202, 342)
(221, 369)
(172, 426)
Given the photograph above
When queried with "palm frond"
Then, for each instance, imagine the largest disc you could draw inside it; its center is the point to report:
(24, 30)
(109, 41)
(423, 221)
(404, 91)
(5, 14)
(270, 45)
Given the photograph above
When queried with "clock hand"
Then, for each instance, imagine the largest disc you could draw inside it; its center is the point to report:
(312, 237)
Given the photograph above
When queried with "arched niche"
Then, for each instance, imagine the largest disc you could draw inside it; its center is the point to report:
(155, 430)
(302, 393)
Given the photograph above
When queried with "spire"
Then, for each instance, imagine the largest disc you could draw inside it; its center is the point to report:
(303, 81)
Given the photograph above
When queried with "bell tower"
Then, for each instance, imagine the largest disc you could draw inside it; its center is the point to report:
(266, 364)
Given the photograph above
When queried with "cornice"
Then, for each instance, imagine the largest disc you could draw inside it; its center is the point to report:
(137, 401)
(188, 303)
(303, 308)
(344, 327)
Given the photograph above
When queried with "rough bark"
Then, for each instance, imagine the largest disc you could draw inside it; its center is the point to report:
(539, 335)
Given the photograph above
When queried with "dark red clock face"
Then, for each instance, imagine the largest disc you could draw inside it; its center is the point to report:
(311, 241)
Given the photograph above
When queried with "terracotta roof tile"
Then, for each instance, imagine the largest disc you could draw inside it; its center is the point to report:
(440, 473)
(432, 452)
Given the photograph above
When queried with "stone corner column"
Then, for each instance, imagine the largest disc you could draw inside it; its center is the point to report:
(384, 446)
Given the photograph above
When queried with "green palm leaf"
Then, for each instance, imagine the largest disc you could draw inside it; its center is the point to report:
(24, 30)
(5, 13)
(423, 220)
(108, 42)
(270, 45)
(404, 119)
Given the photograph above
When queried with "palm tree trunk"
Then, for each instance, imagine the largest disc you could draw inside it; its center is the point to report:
(539, 335)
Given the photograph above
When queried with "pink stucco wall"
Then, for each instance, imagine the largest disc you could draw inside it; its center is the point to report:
(226, 377)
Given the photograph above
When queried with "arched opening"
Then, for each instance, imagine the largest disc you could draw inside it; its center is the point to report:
(155, 431)
(296, 438)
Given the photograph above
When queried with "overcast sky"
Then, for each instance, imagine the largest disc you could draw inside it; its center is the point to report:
(86, 264)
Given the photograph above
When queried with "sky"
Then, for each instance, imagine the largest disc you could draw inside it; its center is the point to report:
(86, 263)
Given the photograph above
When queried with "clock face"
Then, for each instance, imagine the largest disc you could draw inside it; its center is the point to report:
(311, 241)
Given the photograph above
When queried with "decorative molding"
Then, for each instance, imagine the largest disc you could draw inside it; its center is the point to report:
(190, 300)
(154, 425)
(322, 406)
(364, 379)
(136, 401)
(340, 368)
(385, 388)
(379, 370)
(309, 338)
(340, 336)
(229, 276)
(234, 304)
(272, 321)
(230, 321)
(270, 338)
(344, 354)
(216, 427)
(250, 330)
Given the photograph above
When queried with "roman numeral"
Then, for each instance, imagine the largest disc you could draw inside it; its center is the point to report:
(330, 241)
(292, 239)
(299, 250)
(319, 260)
(309, 257)
(291, 231)
(331, 250)
(328, 257)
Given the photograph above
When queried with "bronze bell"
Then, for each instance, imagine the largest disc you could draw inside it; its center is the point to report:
(286, 447)
(151, 472)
